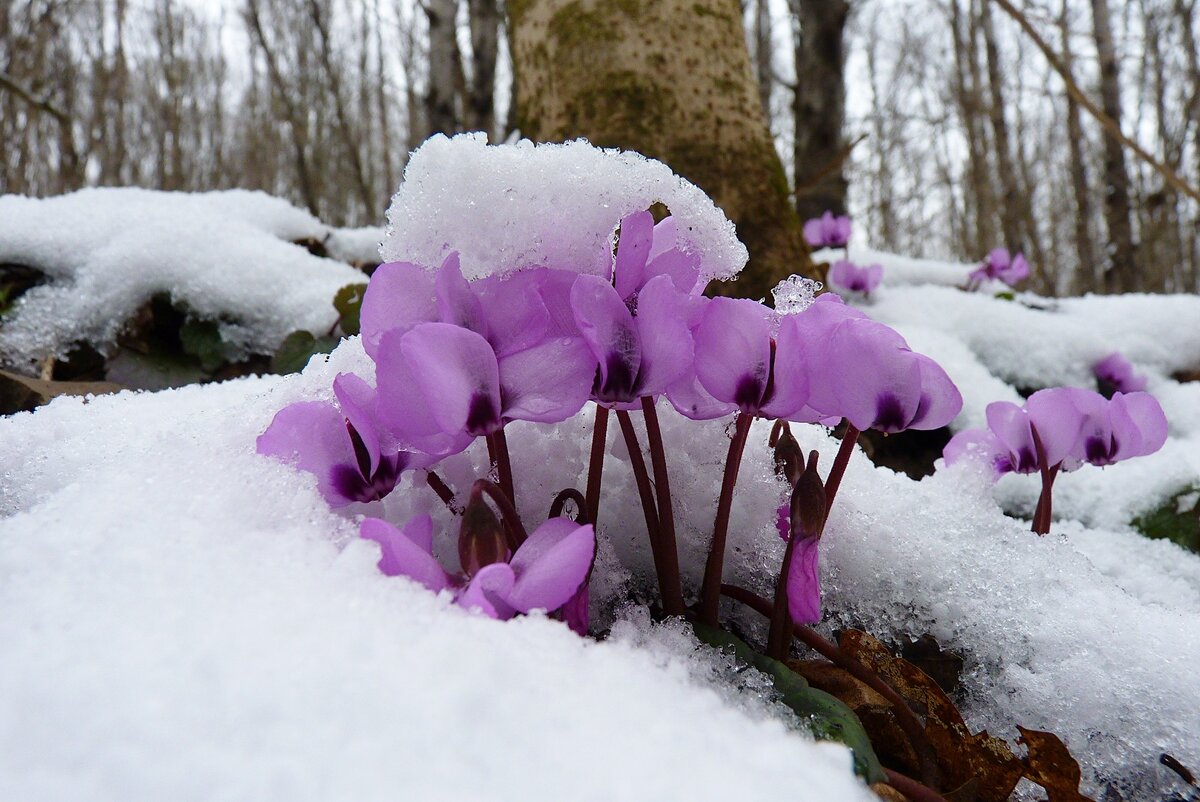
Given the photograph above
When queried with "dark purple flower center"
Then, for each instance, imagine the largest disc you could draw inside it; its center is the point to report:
(1100, 450)
(354, 483)
(889, 413)
(482, 416)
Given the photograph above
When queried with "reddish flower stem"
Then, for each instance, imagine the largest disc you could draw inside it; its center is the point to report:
(638, 463)
(1043, 513)
(915, 791)
(849, 440)
(560, 502)
(596, 463)
(710, 590)
(439, 486)
(668, 550)
(504, 464)
(905, 718)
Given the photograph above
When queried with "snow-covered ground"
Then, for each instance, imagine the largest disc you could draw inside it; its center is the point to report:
(181, 618)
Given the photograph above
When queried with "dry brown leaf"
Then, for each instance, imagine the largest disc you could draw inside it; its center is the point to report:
(1050, 765)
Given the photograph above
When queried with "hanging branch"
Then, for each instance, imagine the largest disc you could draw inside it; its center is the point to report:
(1109, 125)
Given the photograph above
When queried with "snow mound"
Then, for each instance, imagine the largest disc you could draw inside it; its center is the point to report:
(227, 256)
(178, 621)
(505, 207)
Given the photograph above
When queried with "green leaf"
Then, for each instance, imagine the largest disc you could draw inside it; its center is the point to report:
(348, 303)
(202, 339)
(297, 348)
(1006, 295)
(1177, 520)
(825, 716)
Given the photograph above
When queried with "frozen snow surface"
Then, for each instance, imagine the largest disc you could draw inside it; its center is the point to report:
(180, 621)
(227, 256)
(181, 618)
(505, 207)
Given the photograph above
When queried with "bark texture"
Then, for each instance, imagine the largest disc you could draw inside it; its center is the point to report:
(671, 79)
(819, 105)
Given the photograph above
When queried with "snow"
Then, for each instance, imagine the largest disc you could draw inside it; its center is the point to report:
(179, 622)
(557, 205)
(182, 618)
(226, 255)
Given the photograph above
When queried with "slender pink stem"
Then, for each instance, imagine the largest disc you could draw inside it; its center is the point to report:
(439, 486)
(673, 591)
(710, 590)
(504, 465)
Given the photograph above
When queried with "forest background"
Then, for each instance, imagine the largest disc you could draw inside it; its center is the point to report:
(938, 124)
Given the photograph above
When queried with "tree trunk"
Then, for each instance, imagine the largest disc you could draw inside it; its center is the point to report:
(1010, 201)
(1122, 273)
(819, 105)
(1085, 276)
(485, 37)
(967, 81)
(671, 79)
(764, 54)
(440, 113)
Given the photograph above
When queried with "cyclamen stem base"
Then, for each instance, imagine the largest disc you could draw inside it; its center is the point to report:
(638, 463)
(668, 549)
(710, 590)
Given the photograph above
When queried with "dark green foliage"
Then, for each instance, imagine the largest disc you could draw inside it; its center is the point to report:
(825, 716)
(297, 348)
(348, 303)
(1177, 520)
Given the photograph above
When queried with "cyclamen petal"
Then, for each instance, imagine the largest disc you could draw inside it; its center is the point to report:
(667, 349)
(633, 248)
(547, 383)
(609, 330)
(407, 551)
(1011, 427)
(457, 375)
(312, 436)
(399, 296)
(1058, 415)
(979, 444)
(357, 400)
(457, 302)
(488, 591)
(940, 399)
(733, 352)
(551, 565)
(804, 582)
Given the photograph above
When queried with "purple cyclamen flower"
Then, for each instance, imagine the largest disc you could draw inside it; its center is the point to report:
(864, 371)
(1062, 427)
(827, 231)
(1115, 374)
(646, 250)
(743, 363)
(458, 359)
(1001, 266)
(1128, 425)
(544, 573)
(441, 385)
(642, 345)
(847, 276)
(353, 457)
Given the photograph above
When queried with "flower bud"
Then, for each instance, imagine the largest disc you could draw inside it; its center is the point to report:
(481, 539)
(789, 458)
(808, 502)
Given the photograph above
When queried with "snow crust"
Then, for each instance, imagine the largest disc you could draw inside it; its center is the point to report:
(184, 619)
(505, 207)
(227, 255)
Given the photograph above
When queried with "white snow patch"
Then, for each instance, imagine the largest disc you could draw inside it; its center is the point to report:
(505, 207)
(226, 255)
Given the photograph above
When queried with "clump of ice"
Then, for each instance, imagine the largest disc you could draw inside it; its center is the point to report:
(795, 294)
(506, 207)
(227, 256)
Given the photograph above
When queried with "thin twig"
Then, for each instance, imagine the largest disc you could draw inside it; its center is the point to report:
(1110, 126)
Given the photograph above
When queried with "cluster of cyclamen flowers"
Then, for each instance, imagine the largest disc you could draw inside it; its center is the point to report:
(457, 360)
(1060, 429)
(833, 231)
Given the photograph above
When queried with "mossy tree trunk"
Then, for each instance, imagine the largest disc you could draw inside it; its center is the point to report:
(670, 79)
